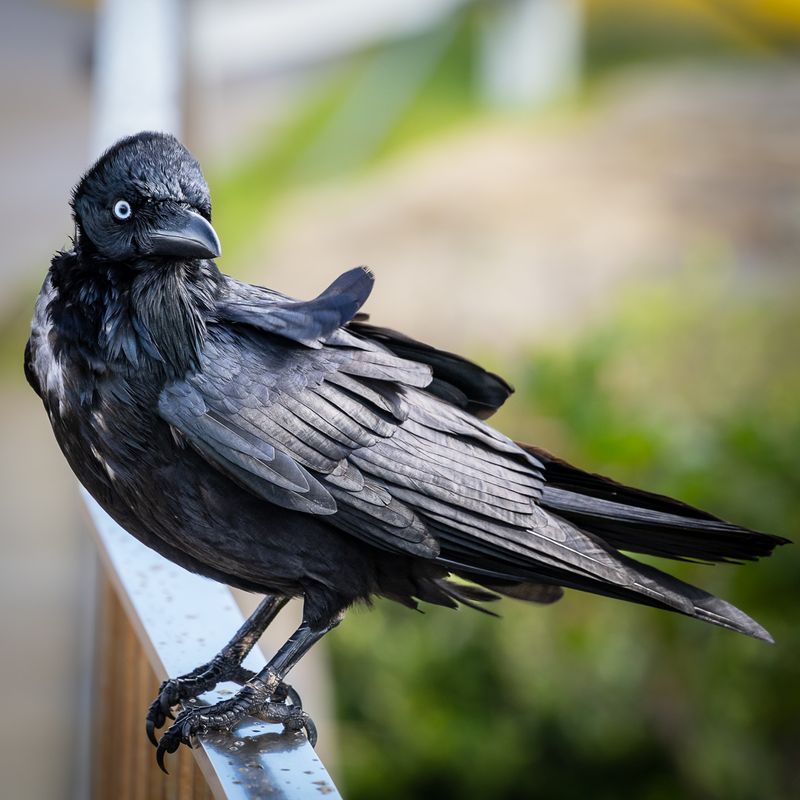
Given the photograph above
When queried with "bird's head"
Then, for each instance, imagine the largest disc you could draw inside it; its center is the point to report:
(145, 200)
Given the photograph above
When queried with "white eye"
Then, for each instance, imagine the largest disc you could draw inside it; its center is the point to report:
(122, 209)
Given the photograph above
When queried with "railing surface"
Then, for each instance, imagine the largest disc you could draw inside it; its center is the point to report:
(158, 620)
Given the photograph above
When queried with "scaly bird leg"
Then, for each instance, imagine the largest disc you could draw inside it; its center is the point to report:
(257, 698)
(225, 666)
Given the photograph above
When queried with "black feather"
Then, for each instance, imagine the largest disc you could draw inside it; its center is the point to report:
(645, 522)
(455, 379)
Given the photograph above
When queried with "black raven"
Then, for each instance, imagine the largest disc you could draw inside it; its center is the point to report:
(293, 449)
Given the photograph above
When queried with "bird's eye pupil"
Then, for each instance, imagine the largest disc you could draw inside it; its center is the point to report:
(122, 209)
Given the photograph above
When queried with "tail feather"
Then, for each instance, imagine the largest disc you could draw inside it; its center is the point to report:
(594, 567)
(642, 583)
(644, 522)
(692, 601)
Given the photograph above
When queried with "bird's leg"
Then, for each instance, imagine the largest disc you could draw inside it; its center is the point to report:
(257, 698)
(225, 666)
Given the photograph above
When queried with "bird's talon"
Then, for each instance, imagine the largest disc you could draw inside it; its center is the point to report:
(194, 722)
(151, 732)
(168, 744)
(185, 689)
(225, 715)
(310, 728)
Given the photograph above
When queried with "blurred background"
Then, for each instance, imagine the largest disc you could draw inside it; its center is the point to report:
(600, 200)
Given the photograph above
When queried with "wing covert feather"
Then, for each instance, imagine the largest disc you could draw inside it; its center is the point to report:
(309, 322)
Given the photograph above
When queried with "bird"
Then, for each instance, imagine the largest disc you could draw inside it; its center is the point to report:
(293, 448)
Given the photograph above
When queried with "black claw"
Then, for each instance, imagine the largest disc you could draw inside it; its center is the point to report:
(153, 721)
(190, 722)
(292, 717)
(311, 729)
(150, 726)
(178, 733)
(160, 753)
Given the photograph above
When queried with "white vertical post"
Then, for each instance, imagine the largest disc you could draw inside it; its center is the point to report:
(530, 51)
(138, 80)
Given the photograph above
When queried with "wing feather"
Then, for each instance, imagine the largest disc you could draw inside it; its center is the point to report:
(308, 322)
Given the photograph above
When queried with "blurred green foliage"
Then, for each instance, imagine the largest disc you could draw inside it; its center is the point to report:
(690, 389)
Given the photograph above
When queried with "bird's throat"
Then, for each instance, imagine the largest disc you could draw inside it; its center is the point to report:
(170, 305)
(141, 318)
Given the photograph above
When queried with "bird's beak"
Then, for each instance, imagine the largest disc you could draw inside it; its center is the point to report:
(187, 236)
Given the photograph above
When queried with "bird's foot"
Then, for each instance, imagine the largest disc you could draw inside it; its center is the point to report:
(223, 667)
(252, 700)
